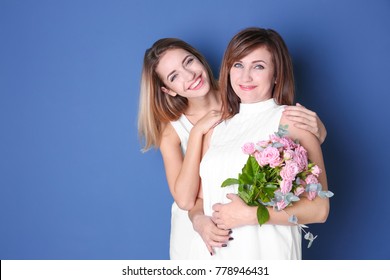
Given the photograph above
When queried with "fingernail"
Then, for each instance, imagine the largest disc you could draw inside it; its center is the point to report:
(230, 231)
(211, 253)
(224, 245)
(231, 238)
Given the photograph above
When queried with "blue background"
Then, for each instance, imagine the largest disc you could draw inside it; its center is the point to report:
(73, 182)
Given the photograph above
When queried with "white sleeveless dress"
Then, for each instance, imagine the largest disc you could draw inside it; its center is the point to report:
(225, 159)
(182, 231)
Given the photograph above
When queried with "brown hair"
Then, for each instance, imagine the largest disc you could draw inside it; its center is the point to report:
(156, 107)
(241, 45)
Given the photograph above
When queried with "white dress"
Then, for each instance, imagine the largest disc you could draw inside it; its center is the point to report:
(182, 231)
(225, 159)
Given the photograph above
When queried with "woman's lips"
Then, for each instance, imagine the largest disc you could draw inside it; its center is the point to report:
(197, 84)
(247, 88)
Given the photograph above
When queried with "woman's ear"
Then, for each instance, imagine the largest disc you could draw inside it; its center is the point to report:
(168, 91)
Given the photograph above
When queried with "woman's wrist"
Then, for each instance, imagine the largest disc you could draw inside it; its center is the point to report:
(196, 131)
(252, 215)
(197, 221)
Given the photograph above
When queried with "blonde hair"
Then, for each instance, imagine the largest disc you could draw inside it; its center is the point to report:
(157, 108)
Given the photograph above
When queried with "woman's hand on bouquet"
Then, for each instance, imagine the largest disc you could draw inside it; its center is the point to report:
(233, 214)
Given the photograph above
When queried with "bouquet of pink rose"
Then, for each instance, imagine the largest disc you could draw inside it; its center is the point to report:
(276, 174)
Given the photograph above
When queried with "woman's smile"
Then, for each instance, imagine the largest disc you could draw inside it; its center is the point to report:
(247, 88)
(197, 84)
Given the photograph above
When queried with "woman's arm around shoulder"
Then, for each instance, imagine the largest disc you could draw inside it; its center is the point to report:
(306, 119)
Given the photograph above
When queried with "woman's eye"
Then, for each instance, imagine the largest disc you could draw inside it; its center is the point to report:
(189, 60)
(259, 66)
(172, 78)
(237, 65)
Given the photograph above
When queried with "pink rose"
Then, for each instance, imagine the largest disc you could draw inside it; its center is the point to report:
(311, 179)
(288, 154)
(288, 143)
(248, 148)
(300, 158)
(285, 186)
(274, 138)
(311, 195)
(281, 205)
(289, 171)
(269, 155)
(262, 144)
(298, 191)
(316, 170)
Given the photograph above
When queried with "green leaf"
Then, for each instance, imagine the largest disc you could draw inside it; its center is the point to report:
(268, 192)
(262, 214)
(264, 196)
(282, 131)
(252, 192)
(252, 162)
(250, 168)
(272, 186)
(245, 178)
(260, 177)
(245, 196)
(229, 182)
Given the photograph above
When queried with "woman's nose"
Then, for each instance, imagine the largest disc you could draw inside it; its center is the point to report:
(189, 74)
(246, 75)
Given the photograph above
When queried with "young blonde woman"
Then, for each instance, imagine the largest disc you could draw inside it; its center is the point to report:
(179, 104)
(256, 80)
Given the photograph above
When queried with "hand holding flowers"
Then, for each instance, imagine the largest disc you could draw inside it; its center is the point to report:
(276, 174)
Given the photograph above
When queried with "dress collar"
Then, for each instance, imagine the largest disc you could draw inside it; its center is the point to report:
(251, 108)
